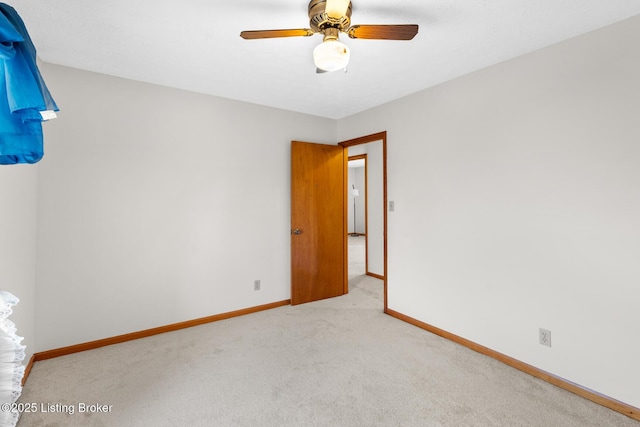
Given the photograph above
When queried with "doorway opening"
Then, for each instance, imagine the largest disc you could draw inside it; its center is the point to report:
(357, 215)
(366, 210)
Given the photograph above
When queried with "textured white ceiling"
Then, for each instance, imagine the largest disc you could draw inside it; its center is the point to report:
(195, 44)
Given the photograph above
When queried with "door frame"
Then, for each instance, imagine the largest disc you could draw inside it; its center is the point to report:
(366, 210)
(380, 136)
(366, 213)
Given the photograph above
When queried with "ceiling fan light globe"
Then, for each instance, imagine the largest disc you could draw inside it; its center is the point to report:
(331, 55)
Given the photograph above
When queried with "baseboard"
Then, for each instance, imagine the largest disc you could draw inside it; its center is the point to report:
(27, 369)
(377, 276)
(594, 396)
(49, 354)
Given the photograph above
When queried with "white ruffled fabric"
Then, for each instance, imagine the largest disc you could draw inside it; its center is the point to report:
(11, 356)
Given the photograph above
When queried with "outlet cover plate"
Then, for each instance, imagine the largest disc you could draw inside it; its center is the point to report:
(545, 337)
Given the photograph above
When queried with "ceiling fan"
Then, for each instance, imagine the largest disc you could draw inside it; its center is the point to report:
(330, 18)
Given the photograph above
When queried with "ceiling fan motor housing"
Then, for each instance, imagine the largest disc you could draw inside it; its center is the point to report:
(320, 21)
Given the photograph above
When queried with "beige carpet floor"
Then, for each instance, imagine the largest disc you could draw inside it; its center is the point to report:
(337, 362)
(357, 256)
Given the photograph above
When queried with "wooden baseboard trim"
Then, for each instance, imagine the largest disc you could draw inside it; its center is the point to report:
(594, 396)
(49, 354)
(377, 276)
(27, 369)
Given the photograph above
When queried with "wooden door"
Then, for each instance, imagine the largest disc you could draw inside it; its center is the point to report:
(318, 222)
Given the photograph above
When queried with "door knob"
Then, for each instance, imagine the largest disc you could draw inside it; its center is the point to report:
(296, 231)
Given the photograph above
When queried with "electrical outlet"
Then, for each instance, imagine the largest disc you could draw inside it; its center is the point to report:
(545, 337)
(392, 206)
(256, 285)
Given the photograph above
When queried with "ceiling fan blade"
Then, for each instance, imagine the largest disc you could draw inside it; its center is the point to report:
(383, 32)
(270, 34)
(336, 8)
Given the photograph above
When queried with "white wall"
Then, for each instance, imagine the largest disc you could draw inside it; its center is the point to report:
(18, 203)
(517, 193)
(159, 206)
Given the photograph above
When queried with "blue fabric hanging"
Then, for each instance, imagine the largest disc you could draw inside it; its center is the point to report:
(23, 93)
